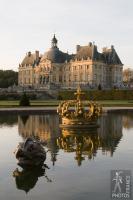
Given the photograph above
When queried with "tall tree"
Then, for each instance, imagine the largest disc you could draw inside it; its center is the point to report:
(8, 78)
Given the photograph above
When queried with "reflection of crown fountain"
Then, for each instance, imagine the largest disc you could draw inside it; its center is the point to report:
(85, 144)
(85, 113)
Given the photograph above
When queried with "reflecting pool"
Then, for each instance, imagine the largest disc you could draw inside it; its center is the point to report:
(79, 162)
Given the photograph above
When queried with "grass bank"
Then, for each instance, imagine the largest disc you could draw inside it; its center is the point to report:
(50, 103)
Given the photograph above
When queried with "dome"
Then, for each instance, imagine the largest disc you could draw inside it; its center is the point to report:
(55, 55)
(29, 59)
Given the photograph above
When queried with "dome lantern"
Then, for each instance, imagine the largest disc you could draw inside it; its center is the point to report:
(54, 42)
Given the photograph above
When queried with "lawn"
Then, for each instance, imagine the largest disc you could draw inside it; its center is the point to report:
(56, 102)
(116, 103)
(32, 102)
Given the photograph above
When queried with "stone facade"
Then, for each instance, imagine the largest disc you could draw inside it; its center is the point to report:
(57, 69)
(128, 75)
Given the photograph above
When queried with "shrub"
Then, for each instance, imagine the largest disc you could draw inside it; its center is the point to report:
(99, 87)
(24, 101)
(59, 97)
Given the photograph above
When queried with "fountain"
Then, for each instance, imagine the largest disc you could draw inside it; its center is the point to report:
(78, 113)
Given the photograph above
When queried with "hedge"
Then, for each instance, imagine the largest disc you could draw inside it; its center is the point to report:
(15, 96)
(99, 95)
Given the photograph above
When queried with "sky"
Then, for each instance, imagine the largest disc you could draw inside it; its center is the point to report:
(29, 25)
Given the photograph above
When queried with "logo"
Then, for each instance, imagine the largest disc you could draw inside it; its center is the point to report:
(121, 184)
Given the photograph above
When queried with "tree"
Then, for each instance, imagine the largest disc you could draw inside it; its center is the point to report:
(99, 87)
(8, 78)
(24, 101)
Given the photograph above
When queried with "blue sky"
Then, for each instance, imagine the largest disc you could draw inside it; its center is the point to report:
(28, 25)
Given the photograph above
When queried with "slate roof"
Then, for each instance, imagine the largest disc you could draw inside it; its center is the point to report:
(56, 56)
(30, 59)
(88, 52)
(111, 57)
(108, 56)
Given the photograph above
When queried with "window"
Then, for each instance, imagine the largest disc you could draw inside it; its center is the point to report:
(74, 67)
(75, 77)
(81, 77)
(87, 66)
(95, 76)
(60, 78)
(69, 78)
(54, 79)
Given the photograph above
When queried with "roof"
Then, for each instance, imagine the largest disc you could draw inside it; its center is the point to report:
(108, 56)
(111, 57)
(30, 59)
(56, 56)
(90, 51)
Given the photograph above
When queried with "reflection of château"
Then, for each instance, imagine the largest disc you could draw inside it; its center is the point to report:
(44, 127)
(128, 121)
(110, 132)
(85, 145)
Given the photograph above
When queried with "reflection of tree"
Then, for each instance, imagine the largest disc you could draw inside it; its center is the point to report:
(27, 178)
(53, 148)
(24, 118)
(109, 144)
(8, 120)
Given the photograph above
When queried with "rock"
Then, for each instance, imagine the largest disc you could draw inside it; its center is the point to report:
(30, 153)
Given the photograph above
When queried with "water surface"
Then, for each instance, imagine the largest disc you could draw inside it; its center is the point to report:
(79, 162)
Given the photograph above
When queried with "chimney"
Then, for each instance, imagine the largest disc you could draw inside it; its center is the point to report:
(37, 55)
(112, 47)
(29, 54)
(77, 47)
(90, 44)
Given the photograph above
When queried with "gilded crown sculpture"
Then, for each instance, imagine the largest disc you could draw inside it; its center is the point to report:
(79, 113)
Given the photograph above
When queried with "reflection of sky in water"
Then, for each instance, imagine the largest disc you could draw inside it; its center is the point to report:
(89, 181)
